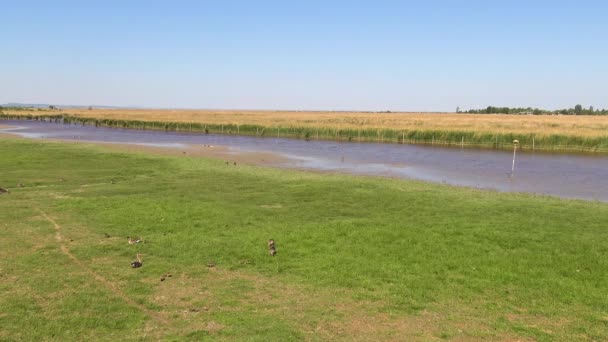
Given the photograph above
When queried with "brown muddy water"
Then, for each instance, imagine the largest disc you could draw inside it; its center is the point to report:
(583, 176)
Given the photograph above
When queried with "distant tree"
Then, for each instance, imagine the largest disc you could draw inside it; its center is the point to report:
(457, 109)
(578, 109)
(90, 107)
(591, 109)
(51, 107)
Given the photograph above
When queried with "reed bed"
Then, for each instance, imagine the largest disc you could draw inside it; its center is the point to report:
(543, 133)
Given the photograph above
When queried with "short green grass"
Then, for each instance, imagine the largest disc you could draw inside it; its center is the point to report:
(359, 258)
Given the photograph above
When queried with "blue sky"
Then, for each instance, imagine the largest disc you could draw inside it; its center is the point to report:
(334, 55)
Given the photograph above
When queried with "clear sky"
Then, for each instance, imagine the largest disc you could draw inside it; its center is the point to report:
(337, 55)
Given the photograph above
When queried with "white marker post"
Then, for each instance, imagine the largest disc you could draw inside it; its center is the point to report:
(515, 144)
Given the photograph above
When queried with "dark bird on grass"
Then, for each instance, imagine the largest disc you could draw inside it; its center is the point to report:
(3, 191)
(134, 240)
(21, 185)
(137, 263)
(112, 181)
(211, 264)
(106, 235)
(62, 179)
(272, 249)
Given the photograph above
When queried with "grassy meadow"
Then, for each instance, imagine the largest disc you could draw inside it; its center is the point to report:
(542, 132)
(359, 258)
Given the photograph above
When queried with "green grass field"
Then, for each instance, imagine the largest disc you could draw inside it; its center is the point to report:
(359, 258)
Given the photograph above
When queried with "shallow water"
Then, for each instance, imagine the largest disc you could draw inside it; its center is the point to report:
(563, 175)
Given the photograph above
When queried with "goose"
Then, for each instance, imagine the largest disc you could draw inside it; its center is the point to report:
(137, 263)
(133, 240)
(272, 250)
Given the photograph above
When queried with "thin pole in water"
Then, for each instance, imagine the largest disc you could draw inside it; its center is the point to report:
(515, 143)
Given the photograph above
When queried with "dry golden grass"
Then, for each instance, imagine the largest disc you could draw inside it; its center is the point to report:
(540, 125)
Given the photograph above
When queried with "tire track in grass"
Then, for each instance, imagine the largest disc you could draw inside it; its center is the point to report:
(105, 282)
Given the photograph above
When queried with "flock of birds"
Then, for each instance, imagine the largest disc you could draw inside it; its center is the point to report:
(272, 251)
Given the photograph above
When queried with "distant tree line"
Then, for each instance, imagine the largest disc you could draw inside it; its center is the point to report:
(24, 108)
(577, 110)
